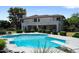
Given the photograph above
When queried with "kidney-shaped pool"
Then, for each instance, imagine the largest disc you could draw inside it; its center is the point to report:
(33, 40)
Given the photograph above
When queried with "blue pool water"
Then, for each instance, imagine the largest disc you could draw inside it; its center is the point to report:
(33, 40)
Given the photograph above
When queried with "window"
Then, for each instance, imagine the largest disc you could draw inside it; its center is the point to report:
(38, 20)
(35, 19)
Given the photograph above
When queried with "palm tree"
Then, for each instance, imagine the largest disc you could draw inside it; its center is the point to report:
(16, 16)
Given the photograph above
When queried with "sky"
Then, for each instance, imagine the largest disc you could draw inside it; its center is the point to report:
(67, 11)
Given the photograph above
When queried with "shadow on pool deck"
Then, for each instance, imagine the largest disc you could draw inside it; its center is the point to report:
(66, 49)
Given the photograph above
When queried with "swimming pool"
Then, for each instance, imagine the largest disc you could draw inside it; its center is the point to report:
(33, 40)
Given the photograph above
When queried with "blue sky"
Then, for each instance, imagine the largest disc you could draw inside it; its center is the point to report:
(41, 10)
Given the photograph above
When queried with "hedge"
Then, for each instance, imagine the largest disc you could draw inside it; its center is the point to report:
(2, 32)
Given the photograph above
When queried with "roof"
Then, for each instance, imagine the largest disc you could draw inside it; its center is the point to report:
(43, 16)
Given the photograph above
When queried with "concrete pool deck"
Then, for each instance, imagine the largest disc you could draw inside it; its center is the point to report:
(71, 42)
(14, 49)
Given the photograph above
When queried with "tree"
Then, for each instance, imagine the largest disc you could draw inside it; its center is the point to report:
(73, 22)
(4, 24)
(16, 16)
(65, 25)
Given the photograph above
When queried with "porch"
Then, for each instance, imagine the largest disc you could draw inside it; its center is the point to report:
(42, 27)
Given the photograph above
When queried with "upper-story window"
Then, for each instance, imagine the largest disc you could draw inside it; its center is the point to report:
(35, 19)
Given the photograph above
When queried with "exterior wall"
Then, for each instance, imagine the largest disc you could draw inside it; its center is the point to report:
(43, 21)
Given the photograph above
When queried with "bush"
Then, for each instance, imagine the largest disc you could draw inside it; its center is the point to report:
(48, 31)
(26, 31)
(2, 44)
(41, 31)
(32, 30)
(11, 29)
(56, 33)
(2, 32)
(19, 31)
(76, 35)
(63, 33)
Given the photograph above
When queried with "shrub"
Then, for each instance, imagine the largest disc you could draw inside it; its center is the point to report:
(2, 44)
(41, 31)
(56, 33)
(32, 30)
(2, 32)
(76, 35)
(48, 31)
(11, 29)
(63, 33)
(26, 31)
(19, 31)
(36, 30)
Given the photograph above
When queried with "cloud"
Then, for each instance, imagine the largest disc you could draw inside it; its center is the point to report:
(71, 7)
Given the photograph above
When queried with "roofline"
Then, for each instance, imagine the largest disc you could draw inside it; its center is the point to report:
(44, 16)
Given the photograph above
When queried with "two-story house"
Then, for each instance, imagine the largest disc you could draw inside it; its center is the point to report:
(44, 22)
